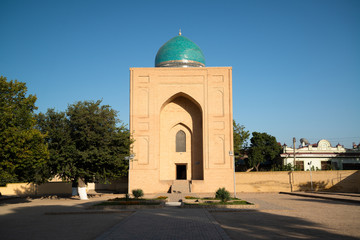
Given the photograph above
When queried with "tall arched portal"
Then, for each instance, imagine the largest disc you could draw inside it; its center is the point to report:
(181, 143)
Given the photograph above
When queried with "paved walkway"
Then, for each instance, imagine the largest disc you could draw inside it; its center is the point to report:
(55, 219)
(283, 216)
(167, 223)
(279, 216)
(342, 197)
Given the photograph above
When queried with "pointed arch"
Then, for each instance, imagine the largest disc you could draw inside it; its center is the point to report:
(181, 136)
(181, 94)
(183, 125)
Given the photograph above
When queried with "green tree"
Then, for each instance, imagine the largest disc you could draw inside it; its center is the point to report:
(23, 153)
(240, 138)
(55, 126)
(88, 142)
(263, 148)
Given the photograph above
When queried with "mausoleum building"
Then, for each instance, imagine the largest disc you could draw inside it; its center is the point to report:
(181, 122)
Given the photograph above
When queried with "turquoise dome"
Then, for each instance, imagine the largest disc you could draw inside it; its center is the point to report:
(179, 52)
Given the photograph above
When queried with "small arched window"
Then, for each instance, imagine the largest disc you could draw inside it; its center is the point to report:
(180, 141)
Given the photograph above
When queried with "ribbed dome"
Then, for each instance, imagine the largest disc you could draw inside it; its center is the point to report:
(179, 52)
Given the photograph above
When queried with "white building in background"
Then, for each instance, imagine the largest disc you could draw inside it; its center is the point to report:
(322, 156)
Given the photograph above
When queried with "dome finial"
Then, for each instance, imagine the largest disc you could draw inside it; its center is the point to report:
(179, 31)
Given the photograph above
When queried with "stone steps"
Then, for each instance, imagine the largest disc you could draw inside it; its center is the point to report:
(180, 186)
(176, 197)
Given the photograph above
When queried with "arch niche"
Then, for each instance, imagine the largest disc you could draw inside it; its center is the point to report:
(181, 138)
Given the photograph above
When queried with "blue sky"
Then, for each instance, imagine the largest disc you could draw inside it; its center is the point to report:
(296, 64)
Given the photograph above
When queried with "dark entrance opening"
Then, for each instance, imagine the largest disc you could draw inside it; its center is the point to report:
(181, 172)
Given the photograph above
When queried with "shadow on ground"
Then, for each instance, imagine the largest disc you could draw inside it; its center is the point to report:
(315, 185)
(33, 221)
(14, 200)
(254, 224)
(328, 201)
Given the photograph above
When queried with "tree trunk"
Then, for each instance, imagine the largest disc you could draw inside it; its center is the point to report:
(74, 185)
(82, 189)
(257, 167)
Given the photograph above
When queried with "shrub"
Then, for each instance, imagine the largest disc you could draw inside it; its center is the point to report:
(162, 197)
(138, 193)
(282, 167)
(222, 194)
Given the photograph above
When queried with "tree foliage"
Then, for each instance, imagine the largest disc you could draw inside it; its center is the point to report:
(263, 148)
(240, 138)
(23, 153)
(87, 141)
(55, 126)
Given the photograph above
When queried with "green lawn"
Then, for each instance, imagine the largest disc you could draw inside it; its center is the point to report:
(130, 201)
(236, 202)
(114, 203)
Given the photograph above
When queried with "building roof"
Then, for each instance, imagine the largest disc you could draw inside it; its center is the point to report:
(180, 52)
(322, 148)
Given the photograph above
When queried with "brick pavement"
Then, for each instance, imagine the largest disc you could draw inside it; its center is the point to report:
(167, 223)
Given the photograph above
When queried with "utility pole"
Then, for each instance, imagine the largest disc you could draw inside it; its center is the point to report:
(310, 175)
(292, 172)
(129, 159)
(294, 141)
(232, 154)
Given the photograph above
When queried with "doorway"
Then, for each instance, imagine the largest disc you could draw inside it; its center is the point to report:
(180, 171)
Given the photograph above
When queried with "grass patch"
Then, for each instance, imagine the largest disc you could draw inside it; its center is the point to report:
(162, 197)
(212, 198)
(236, 202)
(133, 202)
(190, 197)
(125, 199)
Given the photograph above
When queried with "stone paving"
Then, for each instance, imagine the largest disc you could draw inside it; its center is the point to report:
(278, 216)
(55, 219)
(342, 197)
(167, 223)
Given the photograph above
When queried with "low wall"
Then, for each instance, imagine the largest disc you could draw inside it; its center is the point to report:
(119, 186)
(58, 187)
(19, 189)
(54, 188)
(340, 181)
(24, 189)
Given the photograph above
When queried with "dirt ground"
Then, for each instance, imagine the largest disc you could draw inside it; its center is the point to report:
(291, 217)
